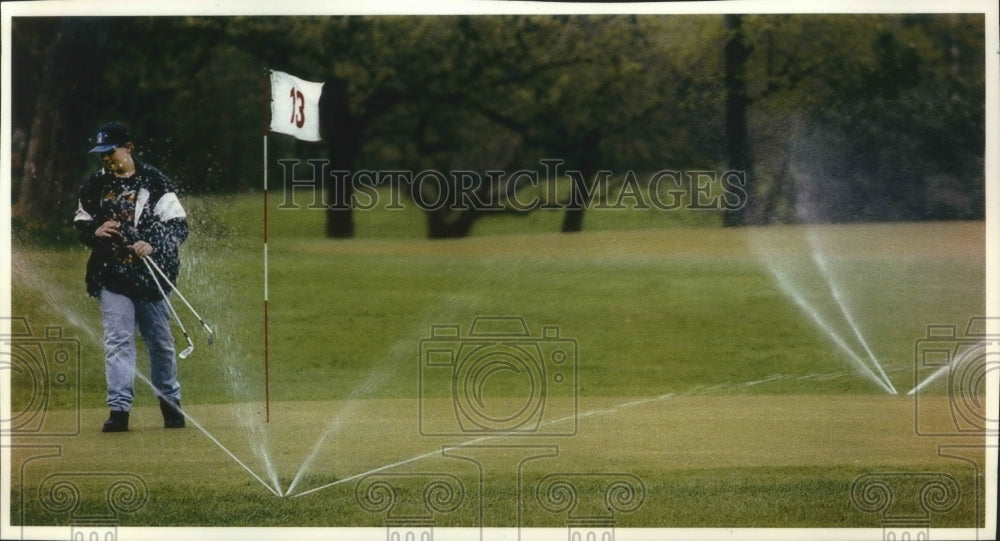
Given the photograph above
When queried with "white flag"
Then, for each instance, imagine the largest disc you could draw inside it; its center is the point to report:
(295, 106)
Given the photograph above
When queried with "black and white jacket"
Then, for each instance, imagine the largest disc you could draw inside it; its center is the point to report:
(149, 210)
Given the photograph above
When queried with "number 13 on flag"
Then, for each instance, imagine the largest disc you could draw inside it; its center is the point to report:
(295, 106)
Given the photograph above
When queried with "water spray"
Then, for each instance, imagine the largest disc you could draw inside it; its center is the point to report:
(955, 361)
(694, 391)
(835, 291)
(54, 298)
(786, 285)
(198, 425)
(445, 305)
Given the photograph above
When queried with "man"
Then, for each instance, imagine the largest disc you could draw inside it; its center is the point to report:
(127, 211)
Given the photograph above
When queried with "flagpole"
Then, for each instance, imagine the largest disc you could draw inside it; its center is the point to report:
(267, 371)
(267, 378)
(303, 124)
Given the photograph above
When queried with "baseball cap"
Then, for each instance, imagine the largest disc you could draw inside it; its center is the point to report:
(111, 135)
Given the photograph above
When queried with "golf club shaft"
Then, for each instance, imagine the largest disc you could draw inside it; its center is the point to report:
(174, 287)
(172, 311)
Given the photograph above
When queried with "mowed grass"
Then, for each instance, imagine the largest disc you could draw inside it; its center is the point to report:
(700, 460)
(694, 371)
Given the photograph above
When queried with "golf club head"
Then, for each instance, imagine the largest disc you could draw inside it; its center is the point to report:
(187, 351)
(211, 334)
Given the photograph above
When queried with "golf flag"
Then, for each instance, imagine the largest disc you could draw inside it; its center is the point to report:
(295, 106)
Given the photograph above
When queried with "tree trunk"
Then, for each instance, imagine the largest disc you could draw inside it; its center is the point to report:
(338, 132)
(580, 192)
(737, 137)
(578, 201)
(440, 227)
(61, 127)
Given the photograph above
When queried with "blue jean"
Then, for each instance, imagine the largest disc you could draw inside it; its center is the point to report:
(121, 315)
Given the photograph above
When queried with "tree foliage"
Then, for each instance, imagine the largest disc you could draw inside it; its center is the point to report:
(833, 117)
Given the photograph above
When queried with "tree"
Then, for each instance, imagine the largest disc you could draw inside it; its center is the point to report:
(571, 86)
(60, 99)
(849, 112)
(737, 101)
(852, 105)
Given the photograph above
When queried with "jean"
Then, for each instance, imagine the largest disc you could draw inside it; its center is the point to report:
(121, 315)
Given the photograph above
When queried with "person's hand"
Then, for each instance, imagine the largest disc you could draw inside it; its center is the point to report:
(109, 229)
(141, 248)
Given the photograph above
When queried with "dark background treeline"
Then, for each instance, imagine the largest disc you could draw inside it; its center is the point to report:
(833, 117)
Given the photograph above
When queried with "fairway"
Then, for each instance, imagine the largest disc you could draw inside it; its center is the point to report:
(746, 457)
(709, 373)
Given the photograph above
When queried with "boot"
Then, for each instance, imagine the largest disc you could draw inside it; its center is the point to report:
(172, 416)
(117, 422)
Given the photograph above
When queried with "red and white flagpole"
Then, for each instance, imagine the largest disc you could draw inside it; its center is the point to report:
(267, 382)
(301, 110)
(267, 375)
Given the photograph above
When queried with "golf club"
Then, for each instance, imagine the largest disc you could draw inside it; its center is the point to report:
(188, 350)
(211, 334)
